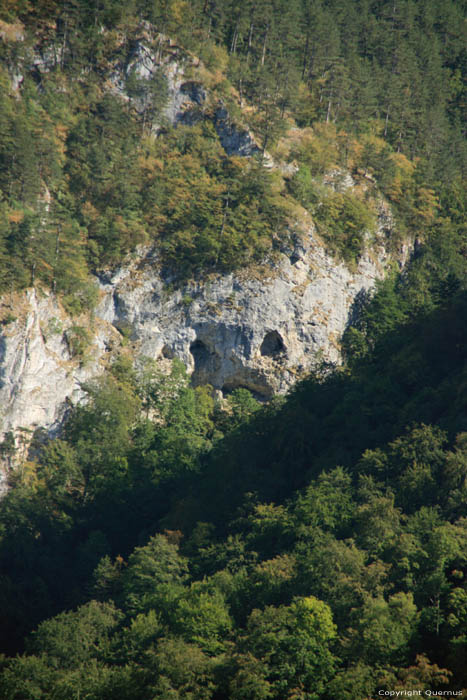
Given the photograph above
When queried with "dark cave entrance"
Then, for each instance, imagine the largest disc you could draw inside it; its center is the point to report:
(272, 344)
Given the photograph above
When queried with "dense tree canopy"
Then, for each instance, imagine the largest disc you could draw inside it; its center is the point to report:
(376, 88)
(214, 551)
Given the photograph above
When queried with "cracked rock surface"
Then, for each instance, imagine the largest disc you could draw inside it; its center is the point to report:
(258, 331)
(236, 330)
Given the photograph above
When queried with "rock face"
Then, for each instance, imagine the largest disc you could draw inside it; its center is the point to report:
(38, 374)
(261, 332)
(260, 329)
(234, 141)
(188, 101)
(241, 331)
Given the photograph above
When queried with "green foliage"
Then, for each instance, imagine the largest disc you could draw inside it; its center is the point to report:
(81, 188)
(344, 220)
(287, 651)
(100, 433)
(70, 652)
(185, 423)
(217, 214)
(386, 628)
(327, 503)
(304, 189)
(73, 638)
(150, 569)
(78, 340)
(325, 576)
(149, 95)
(202, 617)
(245, 561)
(182, 671)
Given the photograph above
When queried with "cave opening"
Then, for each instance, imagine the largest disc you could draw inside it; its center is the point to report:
(207, 364)
(200, 352)
(272, 344)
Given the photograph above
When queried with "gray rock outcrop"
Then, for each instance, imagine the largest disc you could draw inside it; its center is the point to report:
(188, 100)
(261, 331)
(258, 329)
(39, 375)
(238, 330)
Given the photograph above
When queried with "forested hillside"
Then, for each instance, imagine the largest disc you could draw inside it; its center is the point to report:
(167, 544)
(376, 88)
(313, 548)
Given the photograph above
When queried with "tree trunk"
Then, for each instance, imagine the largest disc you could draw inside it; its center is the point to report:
(226, 209)
(386, 122)
(263, 55)
(250, 40)
(233, 45)
(305, 57)
(57, 250)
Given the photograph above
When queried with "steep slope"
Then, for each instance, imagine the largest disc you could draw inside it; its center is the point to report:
(236, 330)
(260, 328)
(274, 191)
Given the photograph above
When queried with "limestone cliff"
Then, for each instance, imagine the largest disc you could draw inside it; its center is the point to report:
(41, 370)
(259, 329)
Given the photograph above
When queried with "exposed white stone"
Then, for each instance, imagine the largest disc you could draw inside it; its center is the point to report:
(339, 180)
(259, 331)
(38, 377)
(238, 330)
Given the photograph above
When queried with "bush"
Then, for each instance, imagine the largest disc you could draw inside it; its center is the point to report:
(78, 341)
